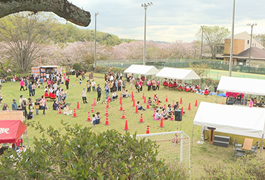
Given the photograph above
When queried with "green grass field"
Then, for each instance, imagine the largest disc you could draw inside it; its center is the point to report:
(200, 153)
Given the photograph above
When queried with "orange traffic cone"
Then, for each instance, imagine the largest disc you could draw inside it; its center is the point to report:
(120, 100)
(60, 111)
(88, 116)
(77, 107)
(144, 99)
(164, 106)
(157, 101)
(172, 117)
(180, 100)
(123, 115)
(95, 102)
(147, 106)
(196, 103)
(132, 96)
(121, 108)
(107, 106)
(133, 103)
(166, 99)
(141, 119)
(189, 107)
(143, 96)
(107, 112)
(92, 108)
(126, 126)
(107, 120)
(136, 109)
(74, 115)
(154, 113)
(147, 130)
(182, 111)
(161, 123)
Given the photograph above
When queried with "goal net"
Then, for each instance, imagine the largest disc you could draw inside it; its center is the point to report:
(174, 147)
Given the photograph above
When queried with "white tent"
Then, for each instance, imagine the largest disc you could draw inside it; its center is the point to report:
(142, 70)
(239, 120)
(242, 85)
(175, 73)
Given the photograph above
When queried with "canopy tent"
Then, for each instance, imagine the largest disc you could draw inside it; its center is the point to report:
(175, 73)
(11, 130)
(242, 85)
(142, 70)
(239, 120)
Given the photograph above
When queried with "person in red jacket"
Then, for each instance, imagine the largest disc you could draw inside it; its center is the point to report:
(67, 81)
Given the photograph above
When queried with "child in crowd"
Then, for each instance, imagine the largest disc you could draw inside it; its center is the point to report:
(37, 106)
(93, 120)
(80, 82)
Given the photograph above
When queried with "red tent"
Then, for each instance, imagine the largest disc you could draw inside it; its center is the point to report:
(11, 130)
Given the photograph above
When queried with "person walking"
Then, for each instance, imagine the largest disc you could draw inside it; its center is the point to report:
(131, 83)
(88, 86)
(84, 95)
(149, 83)
(99, 93)
(107, 91)
(157, 84)
(26, 83)
(14, 105)
(22, 84)
(93, 84)
(67, 82)
(30, 90)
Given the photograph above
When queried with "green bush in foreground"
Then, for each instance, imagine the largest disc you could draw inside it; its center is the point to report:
(82, 154)
(248, 168)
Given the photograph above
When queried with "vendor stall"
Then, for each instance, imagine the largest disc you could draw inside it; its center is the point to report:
(175, 73)
(141, 70)
(11, 130)
(45, 71)
(238, 120)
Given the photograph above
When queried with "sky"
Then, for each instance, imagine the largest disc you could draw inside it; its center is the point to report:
(171, 20)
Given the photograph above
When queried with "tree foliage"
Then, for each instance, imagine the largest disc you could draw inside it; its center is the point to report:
(73, 152)
(22, 37)
(214, 36)
(199, 68)
(260, 38)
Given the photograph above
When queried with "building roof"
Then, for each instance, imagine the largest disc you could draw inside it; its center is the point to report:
(256, 53)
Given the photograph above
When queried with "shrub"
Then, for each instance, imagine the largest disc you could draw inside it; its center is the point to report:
(77, 67)
(83, 154)
(248, 168)
(100, 69)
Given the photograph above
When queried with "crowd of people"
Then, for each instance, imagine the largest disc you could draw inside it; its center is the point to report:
(52, 91)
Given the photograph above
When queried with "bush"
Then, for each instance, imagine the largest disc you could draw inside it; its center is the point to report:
(115, 69)
(209, 81)
(248, 168)
(100, 69)
(83, 154)
(77, 67)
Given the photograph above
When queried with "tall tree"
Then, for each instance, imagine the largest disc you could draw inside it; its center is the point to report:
(213, 36)
(260, 38)
(22, 37)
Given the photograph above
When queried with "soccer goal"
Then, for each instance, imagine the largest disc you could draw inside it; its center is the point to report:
(174, 147)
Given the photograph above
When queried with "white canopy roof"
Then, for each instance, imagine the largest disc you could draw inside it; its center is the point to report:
(242, 85)
(240, 120)
(175, 73)
(141, 69)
